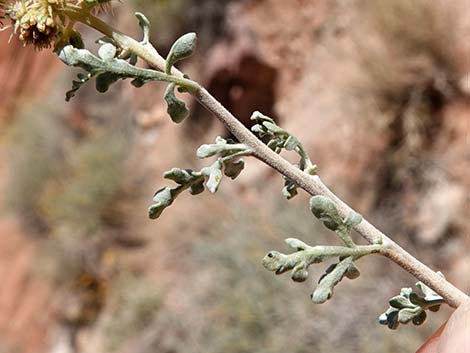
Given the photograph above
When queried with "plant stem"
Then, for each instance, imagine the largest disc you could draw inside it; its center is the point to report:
(320, 251)
(310, 183)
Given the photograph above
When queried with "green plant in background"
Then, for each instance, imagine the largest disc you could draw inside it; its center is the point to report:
(30, 171)
(89, 186)
(134, 303)
(70, 194)
(49, 23)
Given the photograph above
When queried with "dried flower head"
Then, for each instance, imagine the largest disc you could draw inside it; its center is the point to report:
(35, 21)
(44, 23)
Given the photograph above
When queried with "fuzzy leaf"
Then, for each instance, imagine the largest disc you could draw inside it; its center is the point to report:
(76, 85)
(299, 273)
(410, 306)
(215, 176)
(138, 82)
(352, 272)
(296, 244)
(197, 188)
(104, 80)
(407, 314)
(183, 48)
(180, 176)
(176, 109)
(291, 143)
(144, 23)
(353, 219)
(260, 118)
(274, 129)
(325, 288)
(275, 261)
(400, 302)
(420, 318)
(162, 199)
(221, 148)
(233, 169)
(106, 68)
(107, 51)
(290, 189)
(325, 210)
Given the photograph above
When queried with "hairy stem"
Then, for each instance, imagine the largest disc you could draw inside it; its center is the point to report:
(310, 183)
(321, 251)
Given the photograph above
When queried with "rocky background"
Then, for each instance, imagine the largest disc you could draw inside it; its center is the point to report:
(379, 93)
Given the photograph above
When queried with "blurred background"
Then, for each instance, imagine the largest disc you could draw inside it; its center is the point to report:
(379, 93)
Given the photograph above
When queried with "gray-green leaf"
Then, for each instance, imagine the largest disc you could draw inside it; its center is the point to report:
(183, 48)
(325, 288)
(215, 176)
(176, 109)
(325, 210)
(233, 169)
(162, 199)
(107, 51)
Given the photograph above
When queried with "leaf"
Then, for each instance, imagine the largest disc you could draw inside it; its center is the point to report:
(180, 176)
(215, 176)
(138, 82)
(183, 48)
(325, 210)
(162, 199)
(353, 219)
(176, 109)
(392, 320)
(352, 272)
(289, 190)
(274, 129)
(291, 143)
(144, 23)
(400, 302)
(278, 263)
(259, 117)
(233, 169)
(76, 85)
(106, 68)
(221, 148)
(296, 244)
(325, 288)
(411, 306)
(383, 318)
(420, 318)
(258, 129)
(104, 80)
(407, 314)
(197, 188)
(429, 294)
(299, 272)
(107, 51)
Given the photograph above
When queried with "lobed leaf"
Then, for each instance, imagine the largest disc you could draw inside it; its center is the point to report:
(176, 108)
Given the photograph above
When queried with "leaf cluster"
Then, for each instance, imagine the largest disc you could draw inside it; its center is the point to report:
(278, 140)
(305, 255)
(227, 163)
(411, 306)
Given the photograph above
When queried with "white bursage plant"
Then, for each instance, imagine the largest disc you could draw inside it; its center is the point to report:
(51, 23)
